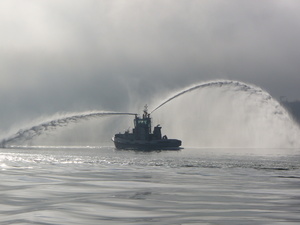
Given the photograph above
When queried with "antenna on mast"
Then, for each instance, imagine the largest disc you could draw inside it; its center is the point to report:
(146, 114)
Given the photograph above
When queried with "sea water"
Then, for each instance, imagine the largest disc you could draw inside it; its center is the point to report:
(102, 185)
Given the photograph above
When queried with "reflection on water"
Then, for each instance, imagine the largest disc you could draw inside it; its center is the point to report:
(91, 185)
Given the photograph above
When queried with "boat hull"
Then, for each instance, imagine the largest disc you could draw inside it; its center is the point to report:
(163, 144)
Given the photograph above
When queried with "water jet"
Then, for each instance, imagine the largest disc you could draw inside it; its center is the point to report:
(225, 113)
(51, 123)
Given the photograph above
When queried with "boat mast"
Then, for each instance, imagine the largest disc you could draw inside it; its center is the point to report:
(146, 111)
(147, 119)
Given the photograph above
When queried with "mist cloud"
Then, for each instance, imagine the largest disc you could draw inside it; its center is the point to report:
(65, 55)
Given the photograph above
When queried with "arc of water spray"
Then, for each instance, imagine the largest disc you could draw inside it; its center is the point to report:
(220, 83)
(267, 124)
(29, 133)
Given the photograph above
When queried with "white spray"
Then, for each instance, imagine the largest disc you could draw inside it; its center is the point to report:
(218, 113)
(225, 113)
(53, 123)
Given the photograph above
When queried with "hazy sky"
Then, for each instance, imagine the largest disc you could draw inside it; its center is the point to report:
(66, 55)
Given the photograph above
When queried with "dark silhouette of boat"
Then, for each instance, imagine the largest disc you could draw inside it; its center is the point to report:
(142, 138)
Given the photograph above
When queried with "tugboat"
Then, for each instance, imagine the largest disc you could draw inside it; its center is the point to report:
(142, 138)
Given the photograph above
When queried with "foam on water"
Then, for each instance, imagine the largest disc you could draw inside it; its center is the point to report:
(226, 113)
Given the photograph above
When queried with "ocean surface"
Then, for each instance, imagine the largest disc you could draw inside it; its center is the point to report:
(101, 185)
